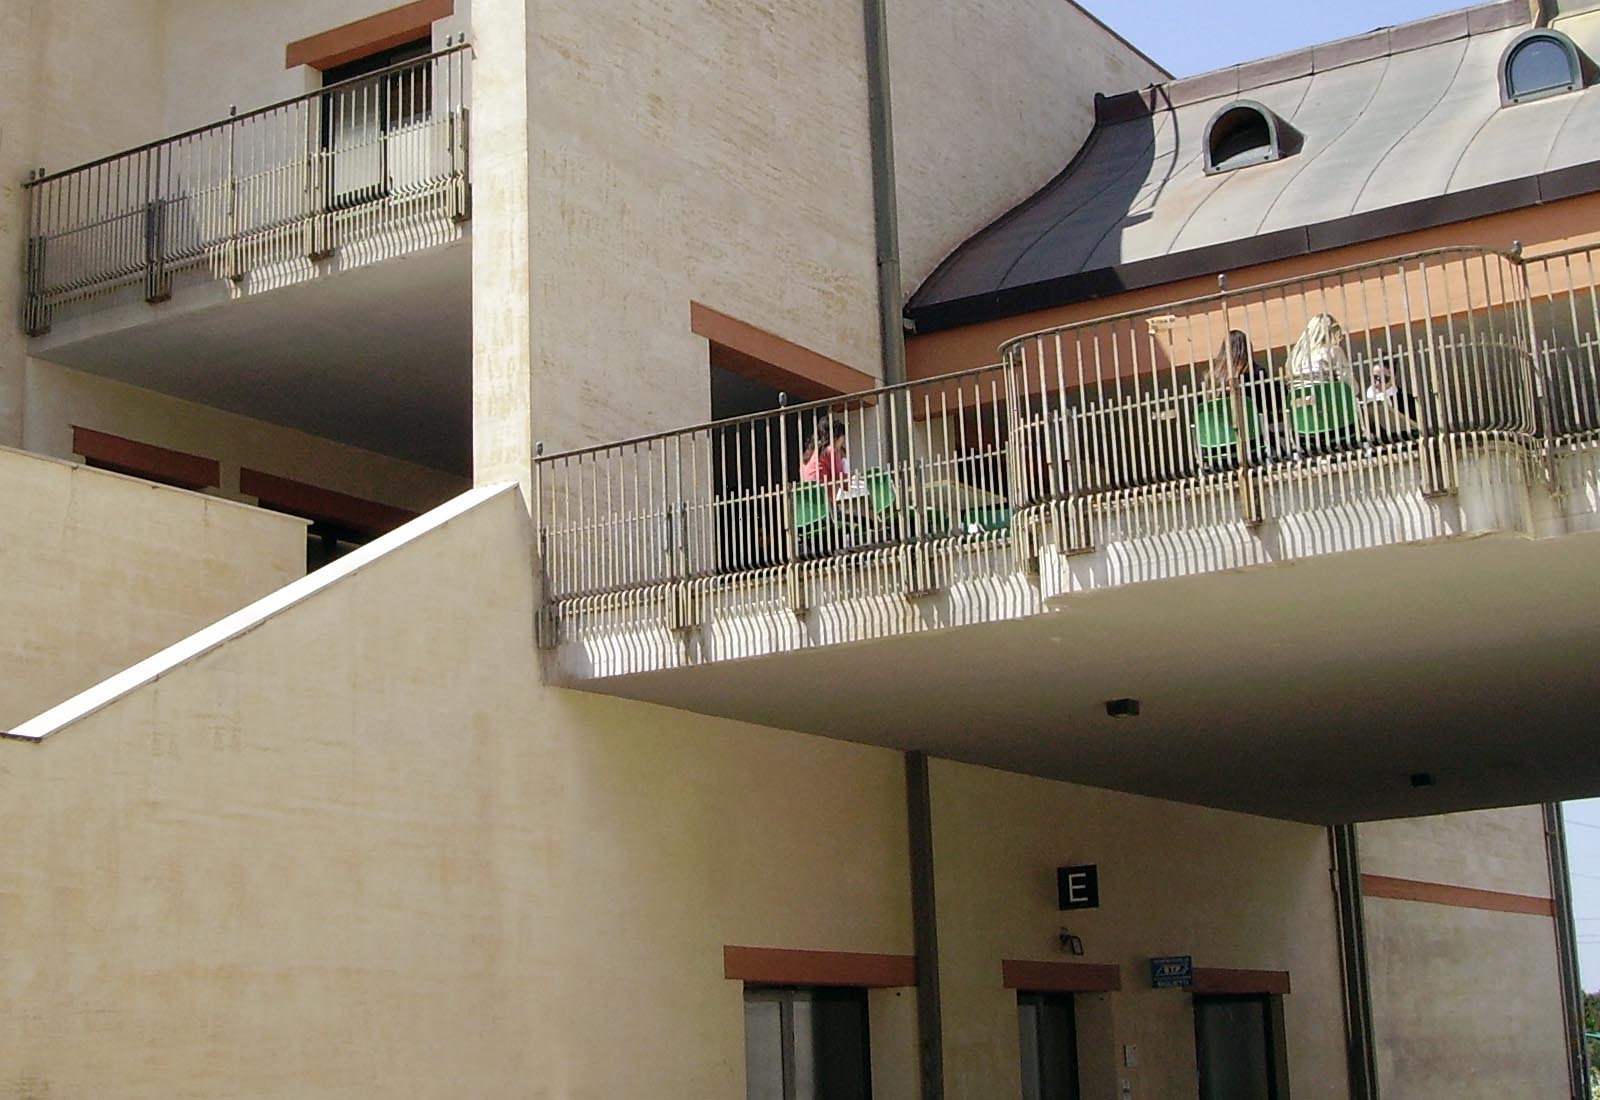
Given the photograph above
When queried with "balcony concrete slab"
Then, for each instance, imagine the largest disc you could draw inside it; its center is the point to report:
(1311, 689)
(375, 353)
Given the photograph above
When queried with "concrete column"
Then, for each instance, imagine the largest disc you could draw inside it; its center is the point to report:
(502, 423)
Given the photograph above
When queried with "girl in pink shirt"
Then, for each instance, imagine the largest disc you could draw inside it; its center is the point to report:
(824, 460)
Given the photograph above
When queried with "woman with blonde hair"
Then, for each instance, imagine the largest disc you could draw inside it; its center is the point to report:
(1319, 355)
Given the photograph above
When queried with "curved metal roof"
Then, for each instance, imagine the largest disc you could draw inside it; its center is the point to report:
(1402, 128)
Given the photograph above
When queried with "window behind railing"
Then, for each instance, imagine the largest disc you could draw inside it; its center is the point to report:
(292, 182)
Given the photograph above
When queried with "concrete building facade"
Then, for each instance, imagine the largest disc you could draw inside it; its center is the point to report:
(376, 722)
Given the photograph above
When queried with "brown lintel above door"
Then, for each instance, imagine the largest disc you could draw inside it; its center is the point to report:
(371, 35)
(781, 966)
(754, 353)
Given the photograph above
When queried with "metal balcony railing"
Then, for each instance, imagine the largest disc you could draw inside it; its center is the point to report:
(1368, 384)
(359, 161)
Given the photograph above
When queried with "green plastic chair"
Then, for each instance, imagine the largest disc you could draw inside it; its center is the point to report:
(1324, 414)
(1322, 408)
(1214, 429)
(880, 487)
(817, 527)
(812, 516)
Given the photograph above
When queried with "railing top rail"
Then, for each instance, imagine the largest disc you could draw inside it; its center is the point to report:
(956, 377)
(859, 397)
(233, 120)
(1259, 288)
(1562, 253)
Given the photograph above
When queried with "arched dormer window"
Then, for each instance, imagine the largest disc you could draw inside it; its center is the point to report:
(1245, 133)
(1539, 63)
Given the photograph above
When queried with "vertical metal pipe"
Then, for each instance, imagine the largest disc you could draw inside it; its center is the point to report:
(1555, 845)
(1360, 1044)
(885, 210)
(930, 1025)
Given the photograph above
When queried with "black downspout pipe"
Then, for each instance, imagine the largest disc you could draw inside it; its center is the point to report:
(925, 933)
(885, 208)
(1360, 1043)
(1555, 846)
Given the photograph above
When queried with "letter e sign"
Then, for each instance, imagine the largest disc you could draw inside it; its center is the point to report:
(1078, 887)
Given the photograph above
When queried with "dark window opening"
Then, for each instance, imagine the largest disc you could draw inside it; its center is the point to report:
(326, 544)
(806, 1044)
(1540, 64)
(1047, 1027)
(1238, 1041)
(358, 115)
(752, 464)
(1238, 137)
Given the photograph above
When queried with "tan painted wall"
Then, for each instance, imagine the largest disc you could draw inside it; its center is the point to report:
(1466, 1003)
(254, 878)
(345, 887)
(991, 99)
(684, 152)
(1231, 890)
(100, 571)
(62, 106)
(417, 868)
(58, 398)
(683, 834)
(1489, 850)
(244, 44)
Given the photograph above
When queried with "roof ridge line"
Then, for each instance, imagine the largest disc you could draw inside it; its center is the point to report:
(1416, 34)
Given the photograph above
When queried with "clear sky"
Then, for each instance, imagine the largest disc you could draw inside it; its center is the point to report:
(1194, 36)
(1583, 851)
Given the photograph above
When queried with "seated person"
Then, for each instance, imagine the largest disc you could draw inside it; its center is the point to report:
(824, 460)
(1392, 410)
(1319, 355)
(1234, 370)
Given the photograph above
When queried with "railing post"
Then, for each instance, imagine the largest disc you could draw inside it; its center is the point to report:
(1539, 376)
(546, 630)
(460, 136)
(461, 166)
(157, 286)
(232, 260)
(1436, 481)
(1250, 509)
(318, 244)
(35, 311)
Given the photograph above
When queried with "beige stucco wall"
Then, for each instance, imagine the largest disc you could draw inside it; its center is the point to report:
(1231, 890)
(83, 79)
(244, 44)
(991, 99)
(1466, 1002)
(1489, 849)
(683, 834)
(357, 848)
(57, 398)
(298, 865)
(98, 571)
(682, 152)
(416, 869)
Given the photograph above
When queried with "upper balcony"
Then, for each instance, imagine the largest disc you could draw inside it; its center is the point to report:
(989, 551)
(316, 244)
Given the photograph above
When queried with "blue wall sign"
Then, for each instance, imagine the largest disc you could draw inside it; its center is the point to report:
(1172, 972)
